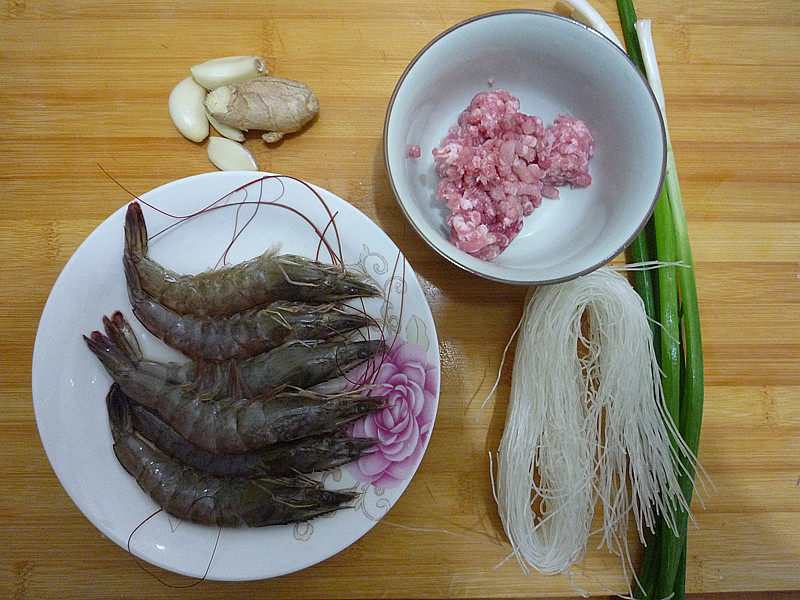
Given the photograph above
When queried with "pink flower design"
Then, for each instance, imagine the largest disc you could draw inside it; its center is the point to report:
(402, 429)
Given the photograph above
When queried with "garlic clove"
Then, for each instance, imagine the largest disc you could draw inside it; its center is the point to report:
(187, 110)
(228, 155)
(237, 135)
(230, 69)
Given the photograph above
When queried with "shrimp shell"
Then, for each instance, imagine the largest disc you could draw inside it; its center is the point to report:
(298, 365)
(233, 289)
(306, 455)
(243, 334)
(191, 495)
(235, 424)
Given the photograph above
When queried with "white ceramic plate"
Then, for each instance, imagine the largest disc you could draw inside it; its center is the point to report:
(69, 384)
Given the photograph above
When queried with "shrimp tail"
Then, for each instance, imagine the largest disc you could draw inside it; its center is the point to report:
(135, 231)
(120, 333)
(154, 316)
(110, 355)
(119, 413)
(237, 385)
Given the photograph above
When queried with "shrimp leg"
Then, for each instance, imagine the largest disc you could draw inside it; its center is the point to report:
(306, 455)
(233, 289)
(189, 494)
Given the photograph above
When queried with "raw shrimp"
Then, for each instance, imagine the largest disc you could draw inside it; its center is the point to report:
(306, 455)
(243, 334)
(233, 289)
(234, 424)
(298, 365)
(189, 494)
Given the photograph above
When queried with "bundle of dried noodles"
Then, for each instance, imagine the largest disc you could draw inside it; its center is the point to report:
(586, 421)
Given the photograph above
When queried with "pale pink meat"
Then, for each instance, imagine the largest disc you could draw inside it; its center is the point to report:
(569, 145)
(497, 164)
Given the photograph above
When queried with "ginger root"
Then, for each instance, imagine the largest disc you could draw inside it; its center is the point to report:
(270, 104)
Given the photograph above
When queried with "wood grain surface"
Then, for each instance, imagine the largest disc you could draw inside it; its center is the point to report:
(84, 85)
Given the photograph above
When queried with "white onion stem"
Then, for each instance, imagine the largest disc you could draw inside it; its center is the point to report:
(645, 33)
(593, 19)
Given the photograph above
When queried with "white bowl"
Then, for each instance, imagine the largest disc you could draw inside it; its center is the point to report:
(554, 65)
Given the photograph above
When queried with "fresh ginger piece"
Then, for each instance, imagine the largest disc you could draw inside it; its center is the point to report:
(270, 104)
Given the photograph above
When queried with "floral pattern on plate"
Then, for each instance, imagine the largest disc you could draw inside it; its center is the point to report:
(410, 384)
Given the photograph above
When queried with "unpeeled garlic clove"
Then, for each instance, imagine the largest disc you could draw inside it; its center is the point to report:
(228, 155)
(237, 135)
(187, 110)
(230, 69)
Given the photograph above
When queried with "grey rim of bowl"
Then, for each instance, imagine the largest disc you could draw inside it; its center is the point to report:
(593, 32)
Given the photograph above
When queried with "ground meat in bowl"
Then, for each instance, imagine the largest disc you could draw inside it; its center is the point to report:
(497, 164)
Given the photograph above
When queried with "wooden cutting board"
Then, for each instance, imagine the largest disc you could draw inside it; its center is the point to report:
(83, 98)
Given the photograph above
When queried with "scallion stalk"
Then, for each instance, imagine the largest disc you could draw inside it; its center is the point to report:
(649, 571)
(640, 247)
(672, 549)
(640, 253)
(627, 17)
(668, 309)
(679, 591)
(692, 398)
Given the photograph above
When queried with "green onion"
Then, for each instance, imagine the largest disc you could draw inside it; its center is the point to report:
(644, 283)
(640, 252)
(650, 562)
(691, 408)
(670, 344)
(668, 309)
(692, 399)
(627, 16)
(640, 247)
(680, 579)
(670, 227)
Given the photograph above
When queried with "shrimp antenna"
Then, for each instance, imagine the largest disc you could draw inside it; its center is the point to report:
(222, 202)
(141, 563)
(115, 180)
